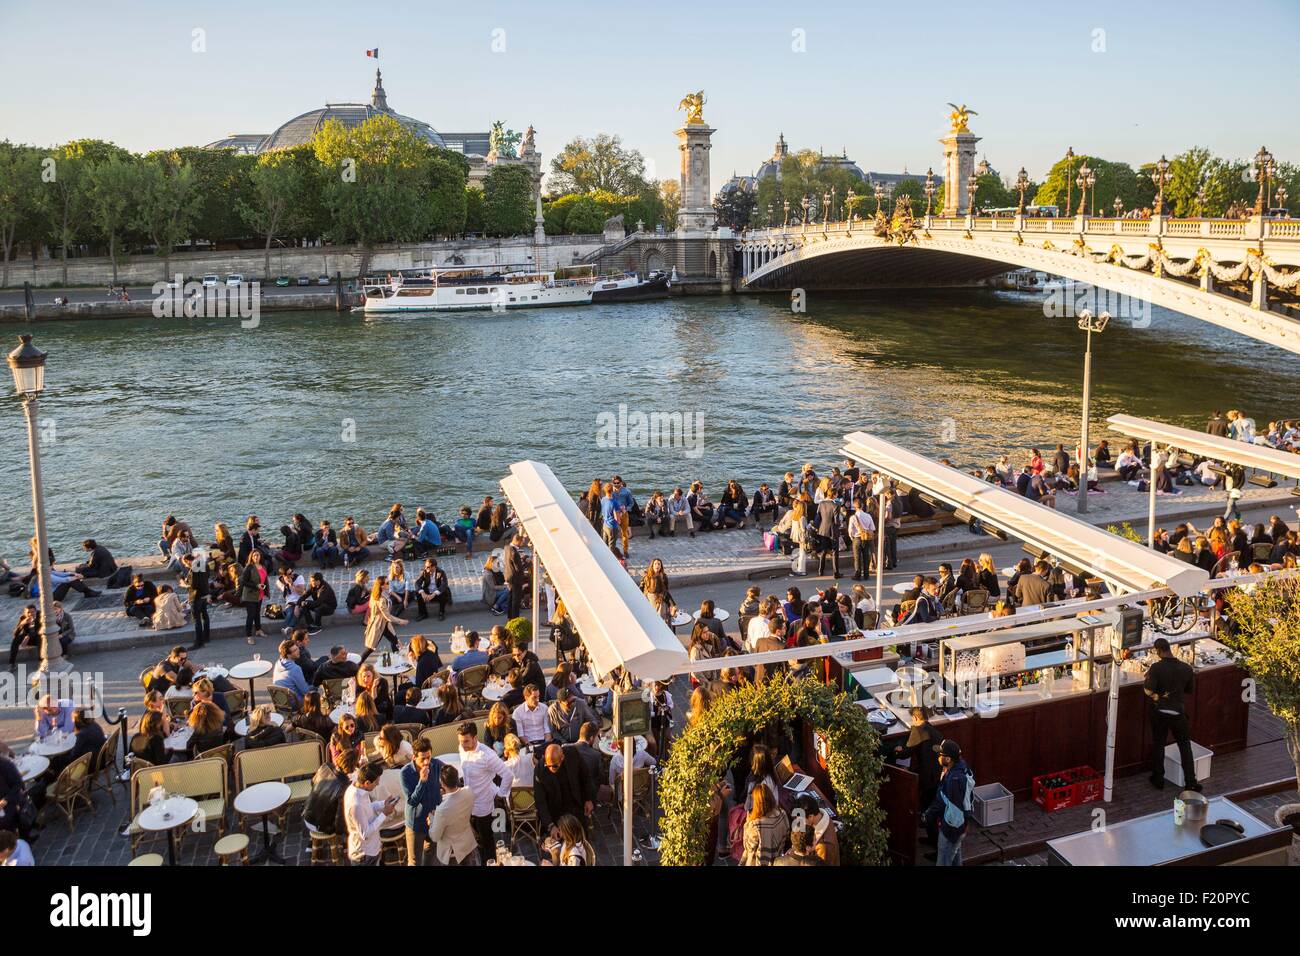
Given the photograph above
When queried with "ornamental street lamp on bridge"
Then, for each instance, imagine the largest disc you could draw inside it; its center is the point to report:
(826, 209)
(1119, 208)
(1082, 181)
(1160, 176)
(830, 210)
(1089, 325)
(1092, 186)
(929, 190)
(1022, 183)
(972, 184)
(1201, 198)
(1069, 177)
(785, 221)
(1265, 169)
(849, 199)
(27, 363)
(804, 203)
(880, 197)
(1281, 197)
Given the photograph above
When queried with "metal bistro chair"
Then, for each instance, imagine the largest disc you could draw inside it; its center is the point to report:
(974, 600)
(70, 789)
(1261, 552)
(282, 699)
(333, 690)
(501, 664)
(179, 707)
(237, 703)
(472, 681)
(524, 816)
(948, 603)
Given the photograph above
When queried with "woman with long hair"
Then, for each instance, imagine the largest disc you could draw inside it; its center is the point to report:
(519, 760)
(573, 848)
(311, 716)
(498, 727)
(987, 575)
(368, 717)
(209, 727)
(766, 829)
(348, 736)
(393, 749)
(499, 523)
(252, 589)
(654, 585)
(450, 709)
(595, 492)
(148, 742)
(381, 621)
(224, 545)
(399, 588)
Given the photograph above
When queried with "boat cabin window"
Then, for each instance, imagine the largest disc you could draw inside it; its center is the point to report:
(482, 291)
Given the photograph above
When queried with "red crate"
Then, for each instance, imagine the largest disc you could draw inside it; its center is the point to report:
(1079, 785)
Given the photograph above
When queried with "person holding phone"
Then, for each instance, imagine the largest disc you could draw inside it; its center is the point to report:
(364, 815)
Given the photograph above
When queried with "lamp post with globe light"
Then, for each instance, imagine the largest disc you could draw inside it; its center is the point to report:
(1088, 324)
(1022, 183)
(27, 363)
(929, 190)
(1160, 177)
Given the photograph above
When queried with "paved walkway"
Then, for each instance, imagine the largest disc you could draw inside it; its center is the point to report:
(712, 556)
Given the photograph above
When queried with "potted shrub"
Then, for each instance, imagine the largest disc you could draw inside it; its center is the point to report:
(1264, 628)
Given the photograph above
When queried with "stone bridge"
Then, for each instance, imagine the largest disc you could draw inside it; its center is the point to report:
(1243, 275)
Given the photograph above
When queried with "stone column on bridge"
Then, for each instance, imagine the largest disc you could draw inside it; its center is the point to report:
(696, 213)
(958, 161)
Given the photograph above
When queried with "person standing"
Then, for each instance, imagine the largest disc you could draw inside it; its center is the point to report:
(514, 573)
(422, 788)
(952, 803)
(1168, 680)
(381, 620)
(197, 590)
(252, 584)
(828, 530)
(626, 504)
(609, 516)
(481, 767)
(862, 530)
(451, 828)
(365, 815)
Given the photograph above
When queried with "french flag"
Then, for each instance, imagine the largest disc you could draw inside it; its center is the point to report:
(373, 53)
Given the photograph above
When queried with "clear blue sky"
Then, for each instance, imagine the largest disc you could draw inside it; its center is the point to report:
(874, 78)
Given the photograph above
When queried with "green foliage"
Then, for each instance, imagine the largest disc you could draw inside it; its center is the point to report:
(221, 183)
(585, 165)
(735, 208)
(519, 630)
(584, 217)
(111, 201)
(473, 210)
(802, 174)
(279, 185)
(1265, 631)
(1126, 530)
(1113, 179)
(701, 755)
(22, 199)
(166, 201)
(508, 201)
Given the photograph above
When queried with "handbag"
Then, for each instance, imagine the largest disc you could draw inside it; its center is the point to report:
(769, 541)
(275, 612)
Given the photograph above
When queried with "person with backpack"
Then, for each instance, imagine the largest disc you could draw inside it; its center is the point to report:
(952, 803)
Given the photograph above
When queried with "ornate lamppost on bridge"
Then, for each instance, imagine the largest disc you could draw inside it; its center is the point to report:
(929, 191)
(1281, 197)
(1082, 182)
(1022, 183)
(1119, 207)
(1265, 168)
(880, 197)
(1160, 176)
(825, 210)
(849, 198)
(785, 221)
(830, 210)
(972, 184)
(1092, 186)
(1069, 177)
(27, 363)
(804, 203)
(1088, 324)
(1201, 198)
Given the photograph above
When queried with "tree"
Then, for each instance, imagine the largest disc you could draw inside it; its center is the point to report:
(277, 189)
(111, 201)
(1187, 173)
(166, 202)
(223, 186)
(67, 185)
(585, 165)
(1113, 180)
(22, 196)
(1265, 630)
(473, 210)
(508, 201)
(670, 194)
(584, 217)
(735, 207)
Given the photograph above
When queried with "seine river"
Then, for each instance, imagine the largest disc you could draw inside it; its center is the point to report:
(331, 414)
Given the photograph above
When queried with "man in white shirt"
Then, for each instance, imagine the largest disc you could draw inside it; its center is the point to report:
(642, 759)
(292, 589)
(1206, 475)
(480, 765)
(531, 720)
(364, 816)
(13, 851)
(862, 528)
(759, 628)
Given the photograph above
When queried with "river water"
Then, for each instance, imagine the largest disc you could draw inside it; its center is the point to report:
(338, 414)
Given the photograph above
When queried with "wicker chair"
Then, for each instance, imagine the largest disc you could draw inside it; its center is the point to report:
(640, 792)
(410, 731)
(179, 707)
(472, 681)
(201, 780)
(948, 603)
(282, 699)
(524, 816)
(975, 600)
(70, 789)
(293, 764)
(500, 666)
(443, 739)
(1261, 552)
(103, 775)
(441, 677)
(145, 676)
(333, 690)
(237, 703)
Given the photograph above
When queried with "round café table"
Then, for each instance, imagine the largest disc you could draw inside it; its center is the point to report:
(212, 672)
(680, 619)
(392, 672)
(591, 690)
(32, 765)
(606, 745)
(495, 689)
(451, 759)
(241, 725)
(166, 816)
(52, 746)
(342, 710)
(250, 671)
(261, 800)
(179, 740)
(901, 588)
(720, 614)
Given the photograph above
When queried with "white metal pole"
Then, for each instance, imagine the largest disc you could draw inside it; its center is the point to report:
(537, 593)
(880, 558)
(1151, 500)
(629, 752)
(1112, 711)
(1083, 444)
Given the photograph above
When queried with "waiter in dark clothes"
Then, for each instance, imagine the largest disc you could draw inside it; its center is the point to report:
(196, 564)
(1168, 681)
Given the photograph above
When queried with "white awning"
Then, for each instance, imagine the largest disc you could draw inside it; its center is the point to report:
(1260, 457)
(1122, 564)
(612, 616)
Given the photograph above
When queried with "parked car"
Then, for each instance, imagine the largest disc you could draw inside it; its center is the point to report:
(235, 278)
(211, 279)
(282, 281)
(304, 280)
(323, 280)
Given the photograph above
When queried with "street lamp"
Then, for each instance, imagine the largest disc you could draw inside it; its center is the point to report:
(830, 210)
(929, 190)
(972, 184)
(1281, 197)
(849, 199)
(1089, 325)
(1069, 176)
(27, 362)
(785, 221)
(1119, 207)
(880, 197)
(1022, 183)
(1201, 198)
(826, 209)
(1264, 168)
(1092, 185)
(1082, 182)
(1160, 176)
(804, 204)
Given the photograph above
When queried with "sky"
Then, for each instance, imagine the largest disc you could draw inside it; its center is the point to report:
(1124, 81)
